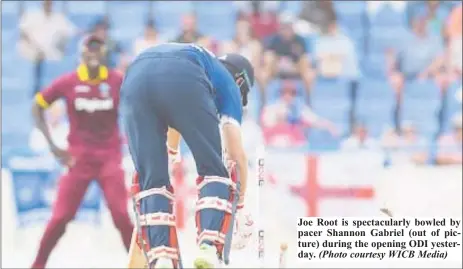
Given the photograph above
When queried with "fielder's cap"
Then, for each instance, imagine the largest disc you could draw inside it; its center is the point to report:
(93, 43)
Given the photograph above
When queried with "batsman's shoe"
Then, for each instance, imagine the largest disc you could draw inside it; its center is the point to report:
(207, 257)
(164, 263)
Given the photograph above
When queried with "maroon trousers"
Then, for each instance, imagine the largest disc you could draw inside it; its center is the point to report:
(106, 168)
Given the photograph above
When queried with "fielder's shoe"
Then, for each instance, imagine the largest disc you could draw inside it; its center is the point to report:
(207, 257)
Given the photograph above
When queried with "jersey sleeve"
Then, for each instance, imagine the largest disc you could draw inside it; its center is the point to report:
(52, 93)
(228, 96)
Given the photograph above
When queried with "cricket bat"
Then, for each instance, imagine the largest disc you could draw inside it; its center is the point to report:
(137, 259)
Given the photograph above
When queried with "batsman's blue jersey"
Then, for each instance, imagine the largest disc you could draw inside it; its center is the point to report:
(227, 94)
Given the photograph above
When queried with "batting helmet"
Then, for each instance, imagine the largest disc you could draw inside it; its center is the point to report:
(242, 71)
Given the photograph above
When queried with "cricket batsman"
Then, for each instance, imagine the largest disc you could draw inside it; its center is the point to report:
(186, 89)
(91, 94)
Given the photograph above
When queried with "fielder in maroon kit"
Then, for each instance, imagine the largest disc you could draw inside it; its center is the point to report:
(92, 98)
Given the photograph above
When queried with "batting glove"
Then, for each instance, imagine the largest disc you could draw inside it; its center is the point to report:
(243, 229)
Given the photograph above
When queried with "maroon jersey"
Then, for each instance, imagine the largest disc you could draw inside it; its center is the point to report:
(92, 107)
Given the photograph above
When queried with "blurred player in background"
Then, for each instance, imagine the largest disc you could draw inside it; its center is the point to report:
(185, 87)
(91, 94)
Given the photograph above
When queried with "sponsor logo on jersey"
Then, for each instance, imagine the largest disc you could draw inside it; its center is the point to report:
(93, 104)
(82, 88)
(104, 89)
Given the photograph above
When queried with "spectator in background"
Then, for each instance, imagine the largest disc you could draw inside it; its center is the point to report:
(435, 14)
(284, 121)
(454, 23)
(408, 141)
(360, 139)
(318, 13)
(409, 136)
(421, 57)
(286, 56)
(190, 33)
(245, 44)
(114, 49)
(262, 15)
(336, 57)
(44, 34)
(335, 54)
(455, 47)
(450, 145)
(148, 40)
